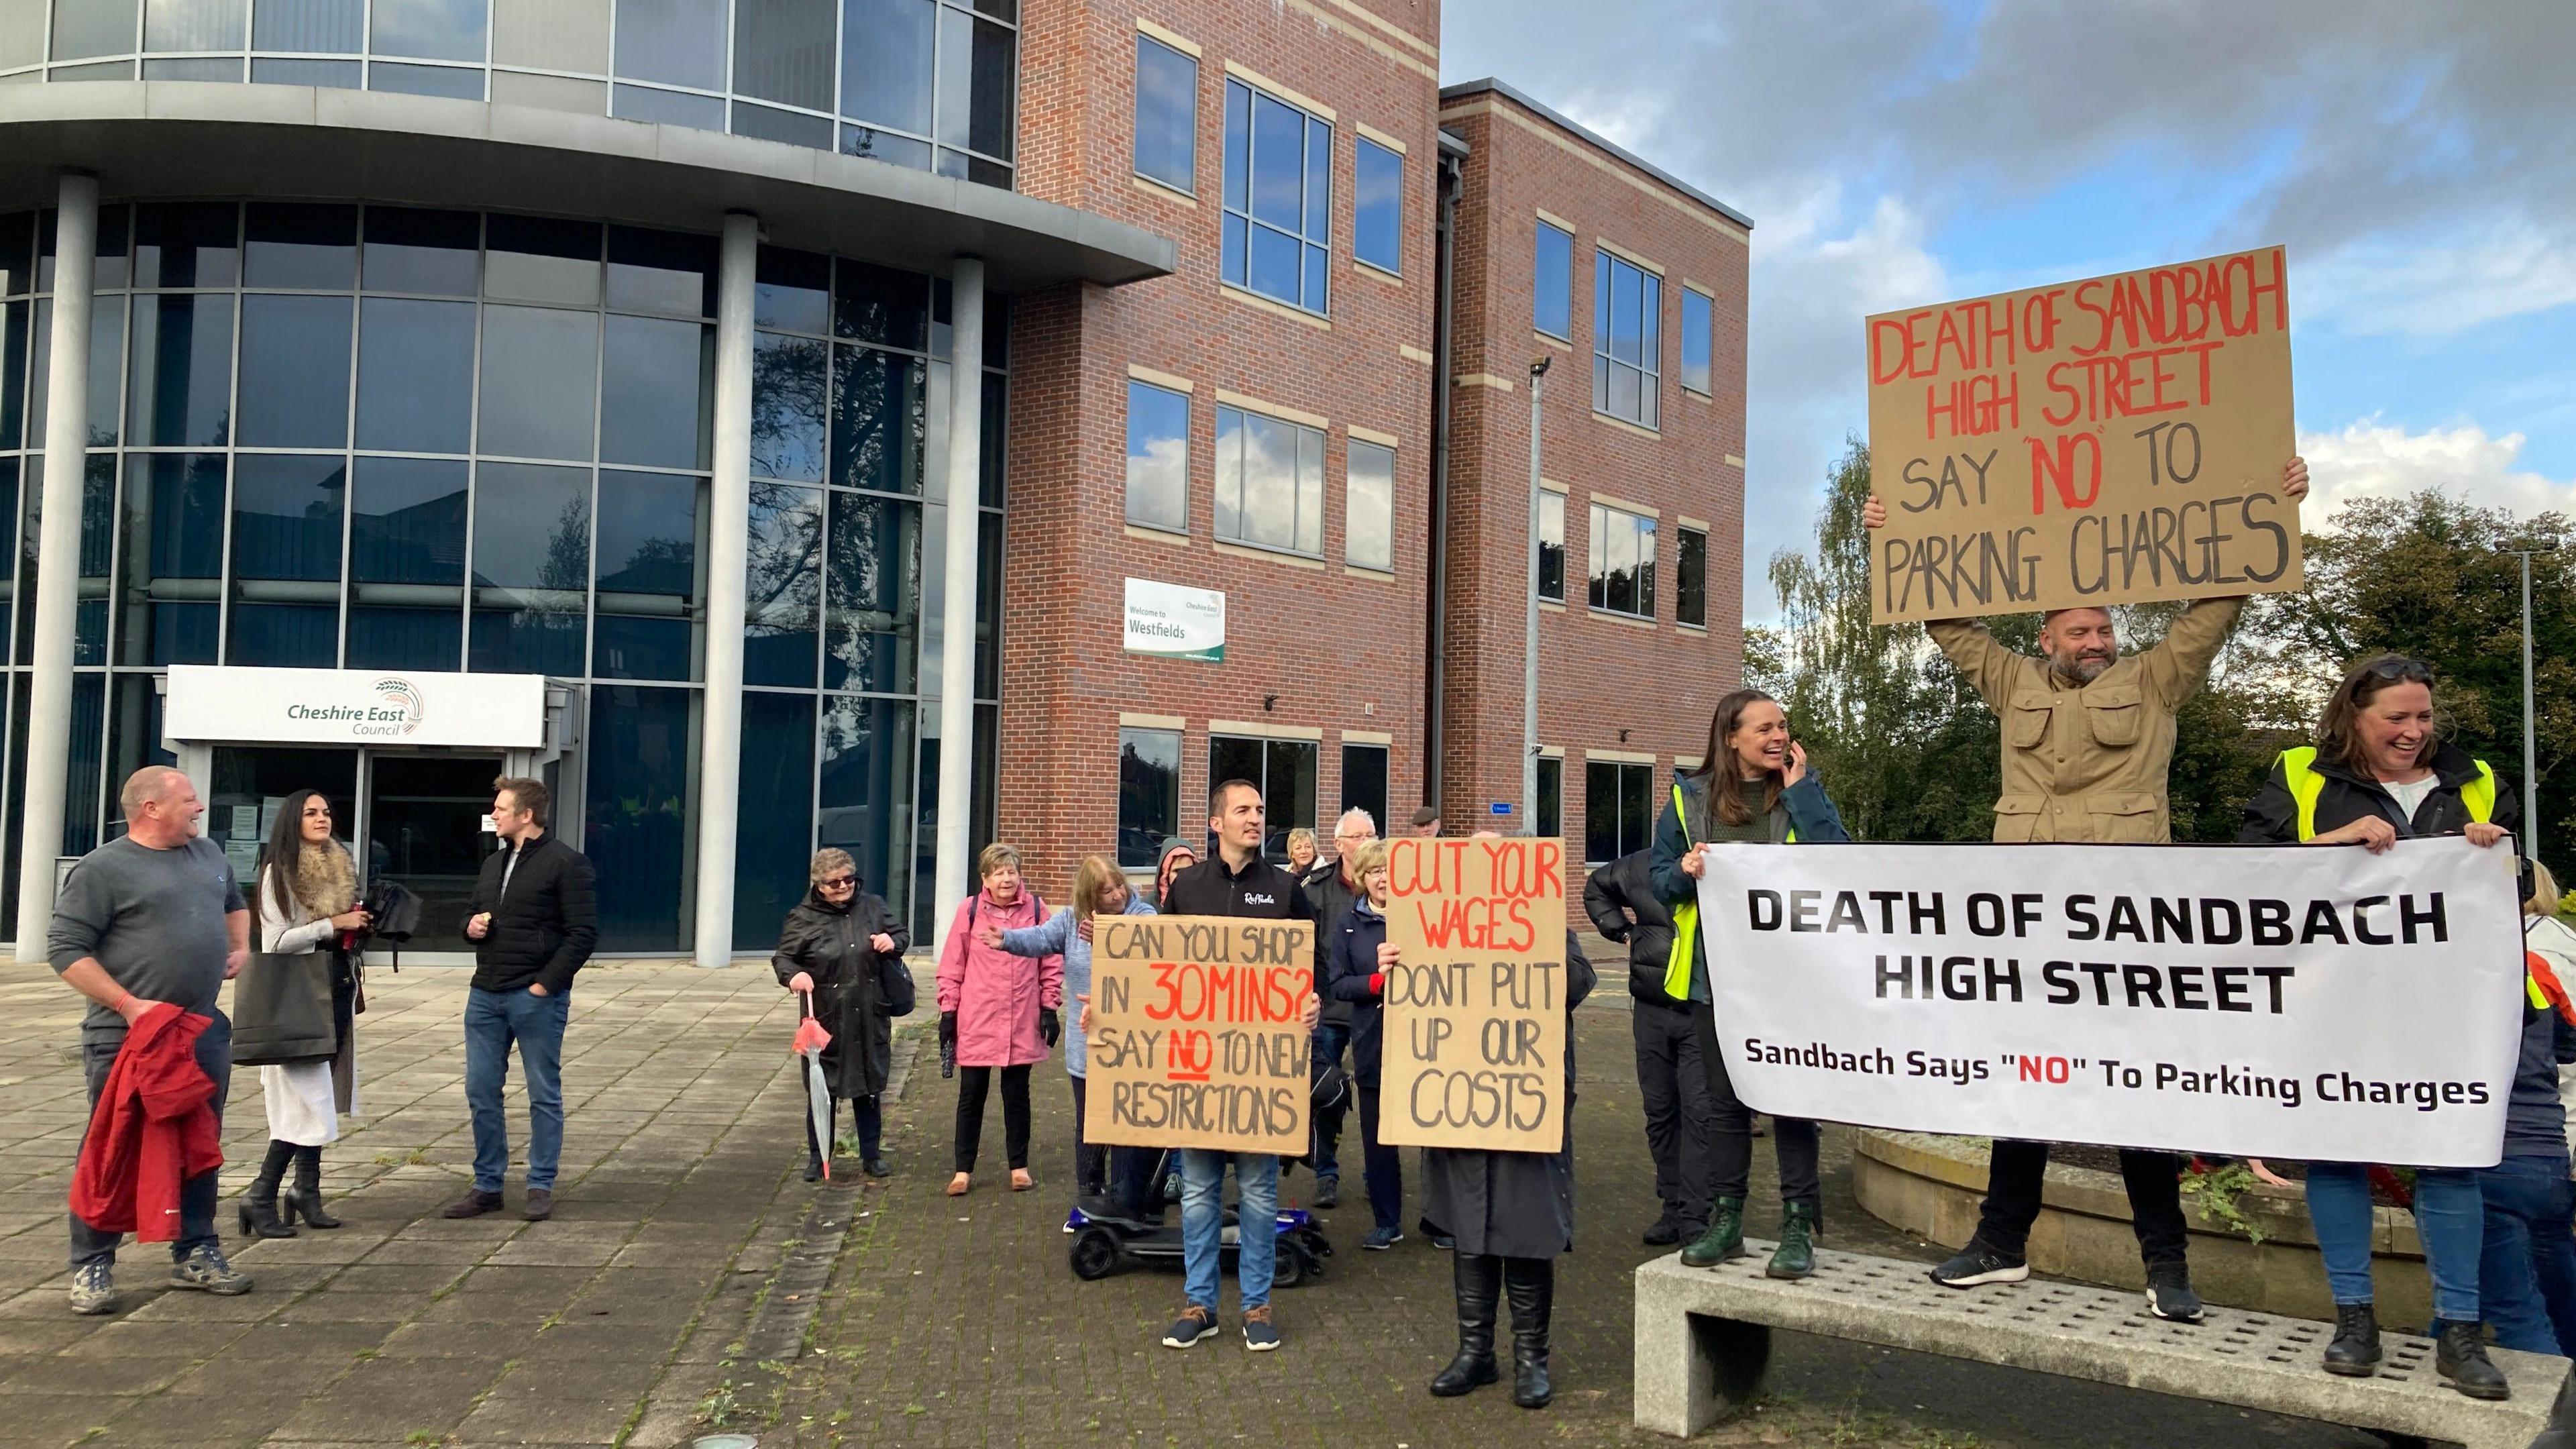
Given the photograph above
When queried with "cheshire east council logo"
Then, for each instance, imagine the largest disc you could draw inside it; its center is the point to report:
(400, 706)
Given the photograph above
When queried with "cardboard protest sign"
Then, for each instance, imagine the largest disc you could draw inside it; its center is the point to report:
(1474, 1052)
(2109, 441)
(1198, 1035)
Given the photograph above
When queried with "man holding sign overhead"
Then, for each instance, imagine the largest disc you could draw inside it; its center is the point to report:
(2182, 374)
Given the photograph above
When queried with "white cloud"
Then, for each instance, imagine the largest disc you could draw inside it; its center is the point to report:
(2425, 287)
(2370, 458)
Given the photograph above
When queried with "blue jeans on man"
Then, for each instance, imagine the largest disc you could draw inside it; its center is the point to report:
(2527, 1265)
(1256, 1176)
(197, 1196)
(493, 1021)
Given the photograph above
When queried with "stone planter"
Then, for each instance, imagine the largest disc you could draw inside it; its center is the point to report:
(1931, 1187)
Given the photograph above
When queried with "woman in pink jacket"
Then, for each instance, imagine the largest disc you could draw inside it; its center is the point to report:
(998, 1010)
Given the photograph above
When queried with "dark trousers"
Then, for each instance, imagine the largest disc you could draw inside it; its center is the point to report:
(1731, 1132)
(197, 1194)
(869, 1113)
(1331, 1038)
(2154, 1180)
(972, 1084)
(1090, 1161)
(1673, 1052)
(1381, 1165)
(1134, 1178)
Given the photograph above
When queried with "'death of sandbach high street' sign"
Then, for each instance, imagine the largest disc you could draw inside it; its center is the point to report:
(2110, 441)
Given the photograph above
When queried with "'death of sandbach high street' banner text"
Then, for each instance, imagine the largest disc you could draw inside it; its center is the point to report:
(2300, 1002)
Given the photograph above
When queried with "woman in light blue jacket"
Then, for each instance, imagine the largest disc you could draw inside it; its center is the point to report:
(1099, 888)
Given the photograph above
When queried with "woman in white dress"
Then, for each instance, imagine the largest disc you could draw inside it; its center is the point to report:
(307, 901)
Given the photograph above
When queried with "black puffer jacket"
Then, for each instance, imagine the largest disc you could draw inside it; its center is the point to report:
(831, 944)
(1624, 885)
(543, 930)
(1332, 900)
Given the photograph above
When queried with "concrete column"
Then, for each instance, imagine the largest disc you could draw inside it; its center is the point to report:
(954, 873)
(728, 541)
(49, 713)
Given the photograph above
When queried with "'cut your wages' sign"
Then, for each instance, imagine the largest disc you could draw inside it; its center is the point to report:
(1474, 1052)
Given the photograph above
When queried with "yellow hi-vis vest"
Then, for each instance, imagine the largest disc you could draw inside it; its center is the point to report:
(2307, 786)
(1686, 915)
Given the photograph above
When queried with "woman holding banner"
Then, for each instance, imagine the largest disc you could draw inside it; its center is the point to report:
(1752, 787)
(2379, 771)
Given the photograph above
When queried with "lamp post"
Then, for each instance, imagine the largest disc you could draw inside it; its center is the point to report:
(2530, 752)
(1529, 660)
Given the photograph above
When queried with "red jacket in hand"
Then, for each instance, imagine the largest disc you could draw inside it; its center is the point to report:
(153, 1129)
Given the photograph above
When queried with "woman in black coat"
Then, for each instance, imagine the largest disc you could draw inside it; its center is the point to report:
(845, 947)
(1352, 950)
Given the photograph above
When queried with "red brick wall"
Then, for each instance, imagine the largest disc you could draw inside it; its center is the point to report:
(1330, 649)
(1605, 683)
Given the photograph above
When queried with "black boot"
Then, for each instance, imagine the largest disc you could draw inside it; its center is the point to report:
(1479, 1278)
(305, 1201)
(2355, 1350)
(258, 1201)
(1532, 1285)
(2460, 1355)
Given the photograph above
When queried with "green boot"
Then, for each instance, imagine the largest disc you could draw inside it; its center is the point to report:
(1724, 1240)
(1796, 1255)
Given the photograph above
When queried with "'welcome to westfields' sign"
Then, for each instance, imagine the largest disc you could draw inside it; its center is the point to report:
(2299, 1002)
(355, 707)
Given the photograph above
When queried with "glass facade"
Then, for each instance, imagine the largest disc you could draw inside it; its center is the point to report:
(928, 84)
(379, 438)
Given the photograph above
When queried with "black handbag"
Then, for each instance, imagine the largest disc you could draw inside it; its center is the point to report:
(282, 1010)
(894, 981)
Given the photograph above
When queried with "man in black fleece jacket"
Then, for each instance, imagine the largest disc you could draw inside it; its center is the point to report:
(533, 919)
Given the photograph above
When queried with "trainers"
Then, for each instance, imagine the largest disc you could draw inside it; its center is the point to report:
(1381, 1239)
(1194, 1324)
(2169, 1294)
(94, 1289)
(1328, 1191)
(204, 1269)
(1977, 1265)
(1439, 1239)
(1258, 1334)
(474, 1204)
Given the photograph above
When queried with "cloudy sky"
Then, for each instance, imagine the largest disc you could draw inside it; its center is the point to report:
(2415, 156)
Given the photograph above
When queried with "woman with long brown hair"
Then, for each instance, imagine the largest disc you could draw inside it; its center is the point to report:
(307, 901)
(1752, 787)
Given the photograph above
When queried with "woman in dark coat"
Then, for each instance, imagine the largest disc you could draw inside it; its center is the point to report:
(1512, 1214)
(845, 947)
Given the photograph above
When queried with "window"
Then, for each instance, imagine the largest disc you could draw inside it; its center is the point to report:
(1285, 771)
(1278, 198)
(1377, 206)
(1627, 348)
(1368, 507)
(1552, 283)
(1699, 339)
(1158, 457)
(1551, 546)
(1167, 107)
(1364, 781)
(1149, 794)
(1551, 797)
(1690, 590)
(1623, 562)
(1618, 810)
(1269, 482)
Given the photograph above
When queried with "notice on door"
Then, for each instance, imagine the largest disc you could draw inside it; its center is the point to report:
(2110, 441)
(1198, 1034)
(1474, 1051)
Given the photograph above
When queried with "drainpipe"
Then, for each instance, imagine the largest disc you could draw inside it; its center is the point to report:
(1435, 681)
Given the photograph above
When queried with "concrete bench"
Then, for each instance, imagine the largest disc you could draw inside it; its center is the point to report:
(1704, 1338)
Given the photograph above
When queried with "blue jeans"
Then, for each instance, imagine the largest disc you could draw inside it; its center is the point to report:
(1256, 1176)
(2527, 1270)
(2447, 1219)
(493, 1020)
(1330, 1039)
(197, 1194)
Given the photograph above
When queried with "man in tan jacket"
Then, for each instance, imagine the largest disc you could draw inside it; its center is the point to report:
(2088, 741)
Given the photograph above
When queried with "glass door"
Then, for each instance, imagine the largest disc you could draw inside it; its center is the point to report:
(250, 783)
(425, 828)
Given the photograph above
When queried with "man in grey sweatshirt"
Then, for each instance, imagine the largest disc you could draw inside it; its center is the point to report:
(150, 917)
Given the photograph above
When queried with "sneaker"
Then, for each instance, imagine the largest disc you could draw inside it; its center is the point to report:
(2169, 1294)
(474, 1204)
(94, 1289)
(1258, 1334)
(1328, 1191)
(204, 1269)
(1381, 1239)
(1194, 1324)
(1429, 1229)
(1977, 1265)
(539, 1206)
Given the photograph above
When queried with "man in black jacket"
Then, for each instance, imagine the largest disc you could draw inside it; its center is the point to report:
(533, 918)
(1672, 1051)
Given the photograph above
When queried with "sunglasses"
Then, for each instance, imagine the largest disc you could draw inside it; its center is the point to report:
(2399, 669)
(840, 883)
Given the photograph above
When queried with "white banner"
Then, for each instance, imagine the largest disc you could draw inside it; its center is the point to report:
(354, 707)
(2300, 1002)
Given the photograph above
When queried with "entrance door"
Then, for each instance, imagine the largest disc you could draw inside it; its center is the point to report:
(425, 819)
(250, 783)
